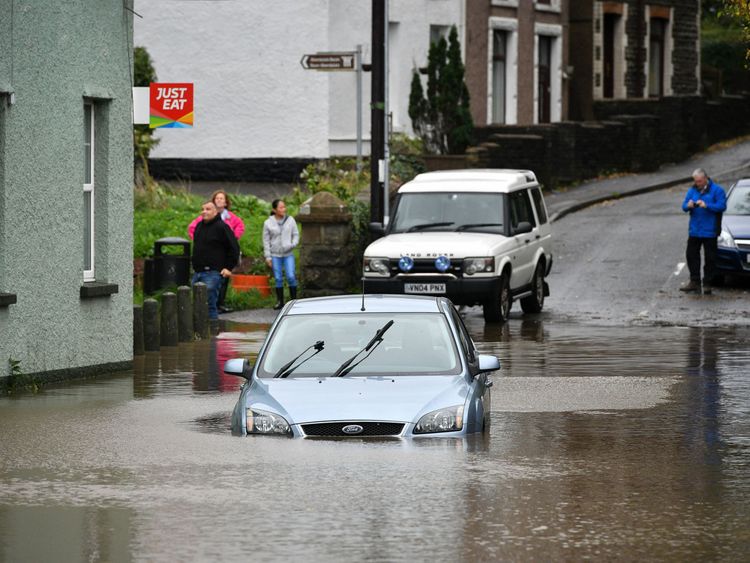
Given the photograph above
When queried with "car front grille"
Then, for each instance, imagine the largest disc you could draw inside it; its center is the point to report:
(335, 429)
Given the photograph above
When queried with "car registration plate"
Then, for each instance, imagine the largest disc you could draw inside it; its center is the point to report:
(424, 288)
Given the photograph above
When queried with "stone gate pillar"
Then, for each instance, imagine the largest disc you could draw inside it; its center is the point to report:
(327, 260)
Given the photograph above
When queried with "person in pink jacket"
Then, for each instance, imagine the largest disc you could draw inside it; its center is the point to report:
(222, 203)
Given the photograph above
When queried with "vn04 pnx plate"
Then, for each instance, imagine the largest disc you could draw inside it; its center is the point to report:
(429, 288)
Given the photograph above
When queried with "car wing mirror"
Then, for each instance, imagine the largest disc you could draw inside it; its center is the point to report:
(239, 367)
(488, 363)
(377, 229)
(522, 227)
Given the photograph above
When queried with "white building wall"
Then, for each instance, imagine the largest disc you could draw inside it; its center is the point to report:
(253, 99)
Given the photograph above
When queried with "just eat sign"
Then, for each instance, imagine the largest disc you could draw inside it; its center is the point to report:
(171, 104)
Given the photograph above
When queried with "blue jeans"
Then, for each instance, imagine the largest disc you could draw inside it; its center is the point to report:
(212, 279)
(288, 264)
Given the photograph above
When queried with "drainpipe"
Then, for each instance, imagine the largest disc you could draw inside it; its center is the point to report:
(640, 50)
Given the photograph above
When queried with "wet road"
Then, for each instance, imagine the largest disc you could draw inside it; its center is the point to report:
(605, 444)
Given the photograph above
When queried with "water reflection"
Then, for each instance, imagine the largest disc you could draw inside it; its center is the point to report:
(607, 444)
(200, 363)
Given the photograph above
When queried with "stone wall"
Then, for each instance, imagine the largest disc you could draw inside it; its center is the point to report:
(327, 258)
(629, 135)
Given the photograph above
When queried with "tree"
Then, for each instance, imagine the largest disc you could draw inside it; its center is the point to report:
(143, 136)
(441, 116)
(739, 12)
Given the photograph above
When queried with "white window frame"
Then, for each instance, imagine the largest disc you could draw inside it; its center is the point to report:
(505, 3)
(553, 6)
(554, 31)
(89, 274)
(668, 69)
(620, 48)
(510, 26)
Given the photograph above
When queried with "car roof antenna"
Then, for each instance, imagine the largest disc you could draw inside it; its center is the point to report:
(363, 294)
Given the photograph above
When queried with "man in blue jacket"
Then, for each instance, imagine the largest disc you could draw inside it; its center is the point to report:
(705, 201)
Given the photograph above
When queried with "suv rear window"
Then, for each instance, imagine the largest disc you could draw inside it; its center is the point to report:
(520, 209)
(541, 212)
(449, 211)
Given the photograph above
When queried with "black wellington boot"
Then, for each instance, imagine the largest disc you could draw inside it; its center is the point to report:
(293, 292)
(279, 298)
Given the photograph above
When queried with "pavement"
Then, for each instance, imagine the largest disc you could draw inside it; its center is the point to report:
(721, 164)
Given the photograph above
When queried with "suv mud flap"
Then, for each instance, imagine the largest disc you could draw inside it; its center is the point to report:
(546, 289)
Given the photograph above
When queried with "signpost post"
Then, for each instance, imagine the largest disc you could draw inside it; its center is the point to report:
(341, 61)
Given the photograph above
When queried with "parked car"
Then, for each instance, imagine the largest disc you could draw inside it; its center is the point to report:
(733, 253)
(368, 365)
(478, 237)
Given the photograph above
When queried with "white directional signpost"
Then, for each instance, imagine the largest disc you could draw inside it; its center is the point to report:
(341, 61)
(329, 61)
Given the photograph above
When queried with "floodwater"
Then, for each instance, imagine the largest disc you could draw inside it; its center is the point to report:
(615, 444)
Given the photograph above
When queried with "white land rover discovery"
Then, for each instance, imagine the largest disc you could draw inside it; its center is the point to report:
(475, 236)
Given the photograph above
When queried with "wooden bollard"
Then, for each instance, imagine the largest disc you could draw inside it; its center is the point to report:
(184, 314)
(200, 310)
(169, 319)
(137, 330)
(150, 325)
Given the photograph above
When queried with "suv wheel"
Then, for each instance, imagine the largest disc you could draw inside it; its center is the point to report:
(497, 309)
(534, 302)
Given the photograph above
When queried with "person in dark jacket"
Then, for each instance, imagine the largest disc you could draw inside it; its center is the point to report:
(705, 201)
(215, 253)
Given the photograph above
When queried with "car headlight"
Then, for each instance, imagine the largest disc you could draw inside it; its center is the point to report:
(725, 239)
(478, 265)
(449, 419)
(377, 267)
(264, 422)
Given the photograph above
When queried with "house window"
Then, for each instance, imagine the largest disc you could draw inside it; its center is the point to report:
(502, 71)
(656, 44)
(547, 5)
(499, 69)
(544, 71)
(88, 192)
(547, 73)
(438, 32)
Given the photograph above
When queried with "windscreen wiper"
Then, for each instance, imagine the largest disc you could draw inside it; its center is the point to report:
(286, 369)
(427, 226)
(371, 345)
(473, 225)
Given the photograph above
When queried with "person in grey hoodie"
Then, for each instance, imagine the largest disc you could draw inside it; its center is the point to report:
(280, 237)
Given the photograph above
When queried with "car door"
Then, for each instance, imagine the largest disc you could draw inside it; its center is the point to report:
(480, 399)
(526, 244)
(544, 229)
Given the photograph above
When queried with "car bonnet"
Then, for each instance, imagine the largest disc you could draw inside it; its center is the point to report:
(738, 225)
(398, 398)
(426, 244)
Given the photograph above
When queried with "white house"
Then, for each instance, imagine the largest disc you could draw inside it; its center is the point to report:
(255, 105)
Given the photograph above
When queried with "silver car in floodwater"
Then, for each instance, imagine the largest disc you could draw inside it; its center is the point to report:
(373, 365)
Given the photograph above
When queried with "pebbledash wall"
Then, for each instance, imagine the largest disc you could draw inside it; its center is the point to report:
(259, 116)
(55, 59)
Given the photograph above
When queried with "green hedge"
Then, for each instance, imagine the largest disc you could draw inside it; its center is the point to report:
(166, 212)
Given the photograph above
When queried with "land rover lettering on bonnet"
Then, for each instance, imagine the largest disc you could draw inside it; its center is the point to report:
(478, 237)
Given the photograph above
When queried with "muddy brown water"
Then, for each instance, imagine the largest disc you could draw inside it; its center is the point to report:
(605, 444)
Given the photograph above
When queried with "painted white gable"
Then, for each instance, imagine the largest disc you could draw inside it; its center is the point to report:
(253, 99)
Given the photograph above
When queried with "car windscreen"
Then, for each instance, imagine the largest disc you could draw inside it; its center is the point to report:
(415, 344)
(450, 211)
(738, 202)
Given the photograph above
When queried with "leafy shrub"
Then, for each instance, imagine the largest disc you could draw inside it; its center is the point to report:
(161, 211)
